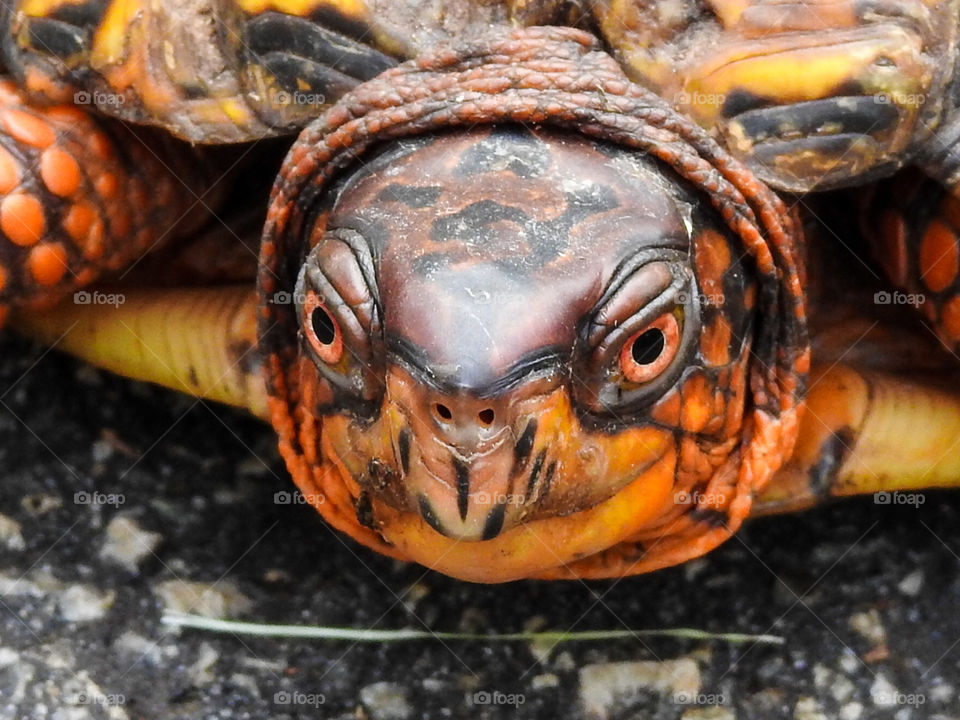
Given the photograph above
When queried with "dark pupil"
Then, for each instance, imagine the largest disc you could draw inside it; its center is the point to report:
(323, 326)
(648, 347)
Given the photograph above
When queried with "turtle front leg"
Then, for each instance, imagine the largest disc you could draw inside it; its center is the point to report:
(82, 196)
(867, 432)
(200, 341)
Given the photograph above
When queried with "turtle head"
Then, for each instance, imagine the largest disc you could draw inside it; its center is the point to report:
(564, 351)
(503, 326)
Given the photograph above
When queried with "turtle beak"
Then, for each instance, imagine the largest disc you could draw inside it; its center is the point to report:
(473, 466)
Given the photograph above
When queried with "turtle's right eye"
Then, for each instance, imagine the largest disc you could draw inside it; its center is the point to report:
(339, 320)
(322, 330)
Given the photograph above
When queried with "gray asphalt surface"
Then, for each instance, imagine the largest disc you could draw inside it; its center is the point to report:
(120, 499)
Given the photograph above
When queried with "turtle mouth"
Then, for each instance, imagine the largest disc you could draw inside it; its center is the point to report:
(475, 499)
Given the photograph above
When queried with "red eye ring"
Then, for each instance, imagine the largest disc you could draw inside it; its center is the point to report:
(322, 330)
(659, 343)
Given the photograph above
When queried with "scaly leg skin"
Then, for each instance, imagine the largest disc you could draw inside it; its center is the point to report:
(82, 196)
(199, 341)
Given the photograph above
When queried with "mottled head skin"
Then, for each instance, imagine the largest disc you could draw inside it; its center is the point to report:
(486, 286)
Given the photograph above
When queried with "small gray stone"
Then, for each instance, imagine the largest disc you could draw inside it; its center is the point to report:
(10, 533)
(218, 600)
(386, 701)
(603, 684)
(911, 584)
(83, 603)
(126, 543)
(807, 708)
(869, 625)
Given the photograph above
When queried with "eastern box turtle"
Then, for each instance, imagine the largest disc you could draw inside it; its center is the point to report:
(526, 303)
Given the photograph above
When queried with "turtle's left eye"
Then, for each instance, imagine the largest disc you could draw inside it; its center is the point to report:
(650, 350)
(638, 338)
(322, 330)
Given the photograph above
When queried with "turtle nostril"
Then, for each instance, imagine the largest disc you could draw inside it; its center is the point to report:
(442, 411)
(486, 416)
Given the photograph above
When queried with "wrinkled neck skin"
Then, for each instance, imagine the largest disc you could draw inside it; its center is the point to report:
(520, 349)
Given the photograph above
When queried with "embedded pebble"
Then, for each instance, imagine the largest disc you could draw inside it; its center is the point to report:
(883, 692)
(709, 713)
(83, 603)
(200, 671)
(386, 701)
(10, 533)
(218, 600)
(126, 543)
(911, 584)
(851, 711)
(603, 684)
(869, 626)
(807, 708)
(546, 680)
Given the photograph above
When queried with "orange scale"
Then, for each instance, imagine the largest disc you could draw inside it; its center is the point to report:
(9, 171)
(950, 317)
(87, 275)
(120, 223)
(9, 94)
(28, 128)
(78, 220)
(47, 263)
(59, 171)
(70, 115)
(21, 219)
(106, 185)
(3, 278)
(100, 145)
(939, 257)
(93, 245)
(712, 259)
(697, 404)
(667, 410)
(715, 342)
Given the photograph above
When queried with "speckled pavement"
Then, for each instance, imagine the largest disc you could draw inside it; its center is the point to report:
(119, 499)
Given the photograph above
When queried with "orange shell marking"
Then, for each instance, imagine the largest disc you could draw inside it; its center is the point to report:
(60, 172)
(48, 263)
(9, 173)
(938, 256)
(21, 219)
(28, 129)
